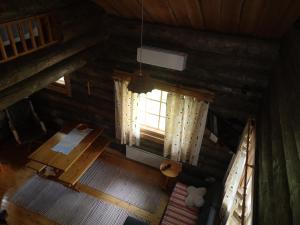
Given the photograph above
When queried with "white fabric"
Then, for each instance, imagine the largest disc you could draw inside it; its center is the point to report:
(195, 196)
(126, 114)
(235, 173)
(185, 125)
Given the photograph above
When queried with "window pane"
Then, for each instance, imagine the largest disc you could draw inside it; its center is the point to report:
(155, 95)
(142, 102)
(152, 107)
(162, 123)
(61, 81)
(151, 121)
(142, 117)
(164, 96)
(163, 109)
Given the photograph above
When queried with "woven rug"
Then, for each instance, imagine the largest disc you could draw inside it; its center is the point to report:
(65, 206)
(123, 184)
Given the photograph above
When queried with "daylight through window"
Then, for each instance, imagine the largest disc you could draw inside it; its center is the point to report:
(153, 110)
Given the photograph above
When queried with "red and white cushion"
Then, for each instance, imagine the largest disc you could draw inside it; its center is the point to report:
(177, 213)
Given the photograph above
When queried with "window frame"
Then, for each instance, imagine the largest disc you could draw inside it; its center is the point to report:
(62, 88)
(150, 133)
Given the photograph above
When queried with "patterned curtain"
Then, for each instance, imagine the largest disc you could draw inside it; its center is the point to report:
(126, 114)
(185, 125)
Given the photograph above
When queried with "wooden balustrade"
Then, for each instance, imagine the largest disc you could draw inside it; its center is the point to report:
(23, 36)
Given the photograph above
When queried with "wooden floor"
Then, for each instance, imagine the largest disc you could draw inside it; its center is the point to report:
(14, 174)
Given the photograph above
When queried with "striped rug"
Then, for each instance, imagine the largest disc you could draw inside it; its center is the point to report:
(123, 184)
(65, 206)
(177, 213)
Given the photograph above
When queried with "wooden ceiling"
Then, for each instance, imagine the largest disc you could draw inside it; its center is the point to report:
(261, 18)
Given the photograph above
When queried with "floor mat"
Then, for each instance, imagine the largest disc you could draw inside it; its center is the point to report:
(65, 206)
(123, 184)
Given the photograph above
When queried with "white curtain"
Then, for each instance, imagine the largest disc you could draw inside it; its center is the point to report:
(126, 114)
(235, 173)
(185, 126)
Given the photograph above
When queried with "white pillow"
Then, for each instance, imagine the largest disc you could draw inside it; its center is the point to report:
(195, 196)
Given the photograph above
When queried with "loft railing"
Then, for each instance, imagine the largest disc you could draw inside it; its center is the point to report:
(24, 36)
(237, 205)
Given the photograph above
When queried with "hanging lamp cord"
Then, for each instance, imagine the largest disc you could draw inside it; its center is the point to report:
(142, 31)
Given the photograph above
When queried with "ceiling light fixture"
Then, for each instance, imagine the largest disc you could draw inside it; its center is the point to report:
(141, 83)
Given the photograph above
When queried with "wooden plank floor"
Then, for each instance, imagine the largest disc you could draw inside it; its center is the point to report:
(13, 176)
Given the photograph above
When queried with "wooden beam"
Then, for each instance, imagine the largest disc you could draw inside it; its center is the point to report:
(231, 71)
(194, 79)
(236, 71)
(42, 79)
(197, 40)
(28, 66)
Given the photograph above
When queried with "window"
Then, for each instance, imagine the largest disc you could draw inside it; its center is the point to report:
(62, 85)
(153, 115)
(61, 81)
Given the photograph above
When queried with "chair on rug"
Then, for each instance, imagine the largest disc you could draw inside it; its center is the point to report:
(24, 123)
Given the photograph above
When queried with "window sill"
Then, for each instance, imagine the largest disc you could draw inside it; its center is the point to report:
(153, 135)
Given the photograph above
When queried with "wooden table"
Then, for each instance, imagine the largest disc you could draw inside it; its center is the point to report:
(171, 172)
(61, 162)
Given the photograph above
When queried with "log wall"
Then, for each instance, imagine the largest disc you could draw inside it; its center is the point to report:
(236, 69)
(96, 108)
(278, 195)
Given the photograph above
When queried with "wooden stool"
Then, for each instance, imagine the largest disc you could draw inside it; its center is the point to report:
(170, 169)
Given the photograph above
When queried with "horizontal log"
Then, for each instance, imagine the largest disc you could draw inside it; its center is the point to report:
(64, 103)
(63, 116)
(193, 79)
(97, 82)
(197, 40)
(227, 80)
(229, 113)
(256, 69)
(42, 79)
(79, 19)
(215, 153)
(96, 97)
(10, 10)
(212, 162)
(242, 105)
(32, 64)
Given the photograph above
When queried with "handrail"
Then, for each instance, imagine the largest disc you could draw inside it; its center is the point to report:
(26, 35)
(250, 130)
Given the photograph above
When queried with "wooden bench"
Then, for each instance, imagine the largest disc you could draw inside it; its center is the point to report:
(83, 163)
(38, 167)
